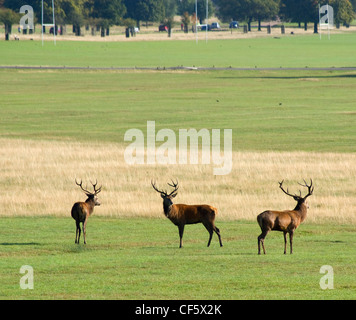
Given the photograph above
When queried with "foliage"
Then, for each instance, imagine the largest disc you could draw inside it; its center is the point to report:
(301, 10)
(185, 21)
(189, 6)
(109, 12)
(129, 23)
(145, 10)
(8, 17)
(247, 9)
(343, 12)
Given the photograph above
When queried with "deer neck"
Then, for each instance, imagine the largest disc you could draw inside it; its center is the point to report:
(91, 205)
(302, 209)
(167, 207)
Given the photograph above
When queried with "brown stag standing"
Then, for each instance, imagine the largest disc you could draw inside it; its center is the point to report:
(82, 210)
(286, 221)
(182, 214)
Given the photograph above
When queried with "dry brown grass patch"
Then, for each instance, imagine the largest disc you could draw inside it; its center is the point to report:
(37, 178)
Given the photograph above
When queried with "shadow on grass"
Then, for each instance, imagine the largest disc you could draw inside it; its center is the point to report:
(20, 244)
(290, 77)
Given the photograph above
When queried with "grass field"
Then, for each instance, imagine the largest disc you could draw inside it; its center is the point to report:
(270, 110)
(140, 259)
(286, 51)
(56, 125)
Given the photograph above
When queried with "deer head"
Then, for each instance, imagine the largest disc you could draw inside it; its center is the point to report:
(299, 198)
(167, 198)
(91, 195)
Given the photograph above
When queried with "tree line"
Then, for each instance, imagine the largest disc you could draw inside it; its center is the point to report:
(101, 14)
(300, 11)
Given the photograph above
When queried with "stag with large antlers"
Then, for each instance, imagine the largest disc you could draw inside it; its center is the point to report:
(82, 210)
(182, 214)
(285, 221)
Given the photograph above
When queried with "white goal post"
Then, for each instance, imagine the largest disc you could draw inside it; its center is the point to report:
(53, 24)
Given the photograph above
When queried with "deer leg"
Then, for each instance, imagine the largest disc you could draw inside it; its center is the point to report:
(84, 230)
(291, 241)
(217, 231)
(77, 232)
(285, 241)
(210, 227)
(261, 240)
(210, 237)
(181, 230)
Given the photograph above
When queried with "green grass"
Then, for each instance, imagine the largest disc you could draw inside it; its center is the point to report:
(287, 51)
(140, 259)
(267, 110)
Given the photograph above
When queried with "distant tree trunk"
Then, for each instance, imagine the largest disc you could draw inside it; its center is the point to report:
(8, 28)
(249, 25)
(315, 27)
(259, 24)
(76, 30)
(305, 26)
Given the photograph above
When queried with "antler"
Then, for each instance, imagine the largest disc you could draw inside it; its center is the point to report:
(173, 185)
(80, 185)
(96, 191)
(154, 187)
(94, 185)
(310, 187)
(164, 193)
(286, 192)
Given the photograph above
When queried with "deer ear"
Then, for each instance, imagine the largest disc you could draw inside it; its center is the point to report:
(173, 195)
(296, 198)
(162, 195)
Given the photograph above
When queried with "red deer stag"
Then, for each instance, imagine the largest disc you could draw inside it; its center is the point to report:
(82, 210)
(182, 214)
(286, 221)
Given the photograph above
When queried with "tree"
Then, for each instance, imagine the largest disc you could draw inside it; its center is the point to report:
(170, 8)
(290, 10)
(8, 17)
(247, 10)
(189, 6)
(185, 21)
(145, 10)
(353, 3)
(169, 22)
(266, 9)
(69, 11)
(104, 13)
(75, 15)
(343, 12)
(302, 11)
